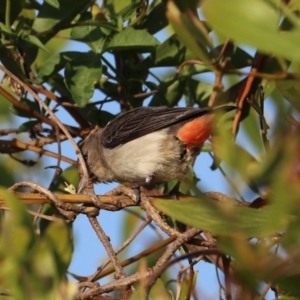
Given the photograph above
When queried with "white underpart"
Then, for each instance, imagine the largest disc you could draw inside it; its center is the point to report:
(138, 159)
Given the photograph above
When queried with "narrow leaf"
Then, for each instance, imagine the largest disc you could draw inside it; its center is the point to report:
(224, 219)
(254, 23)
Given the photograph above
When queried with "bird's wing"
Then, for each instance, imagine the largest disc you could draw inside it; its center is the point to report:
(141, 121)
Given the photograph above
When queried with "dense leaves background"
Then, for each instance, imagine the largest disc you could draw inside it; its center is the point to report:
(251, 49)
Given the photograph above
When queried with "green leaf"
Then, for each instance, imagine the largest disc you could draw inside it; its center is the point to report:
(25, 21)
(81, 75)
(238, 58)
(130, 38)
(139, 293)
(27, 126)
(254, 23)
(53, 65)
(159, 291)
(56, 63)
(156, 20)
(127, 13)
(16, 7)
(18, 210)
(34, 41)
(90, 34)
(52, 18)
(169, 96)
(224, 219)
(226, 150)
(59, 84)
(69, 175)
(19, 223)
(290, 90)
(7, 30)
(108, 87)
(186, 284)
(60, 240)
(11, 64)
(252, 130)
(197, 92)
(168, 54)
(103, 117)
(191, 32)
(121, 7)
(53, 3)
(31, 104)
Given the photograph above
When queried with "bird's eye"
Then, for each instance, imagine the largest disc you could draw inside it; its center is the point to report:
(85, 157)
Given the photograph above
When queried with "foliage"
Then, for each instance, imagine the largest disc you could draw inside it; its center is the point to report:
(251, 47)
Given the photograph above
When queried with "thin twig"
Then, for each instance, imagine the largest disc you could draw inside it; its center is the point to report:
(17, 145)
(265, 291)
(111, 203)
(53, 117)
(74, 131)
(120, 273)
(245, 90)
(182, 271)
(154, 215)
(218, 86)
(123, 246)
(269, 285)
(68, 210)
(70, 107)
(57, 172)
(65, 209)
(127, 242)
(104, 239)
(57, 169)
(147, 207)
(230, 182)
(135, 258)
(226, 264)
(164, 261)
(143, 218)
(113, 286)
(36, 214)
(152, 273)
(263, 126)
(167, 84)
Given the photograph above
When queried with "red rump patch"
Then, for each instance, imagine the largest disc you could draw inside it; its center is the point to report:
(196, 132)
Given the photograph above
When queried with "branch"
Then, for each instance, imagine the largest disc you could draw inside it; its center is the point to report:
(110, 203)
(218, 86)
(27, 109)
(68, 210)
(63, 208)
(71, 109)
(99, 273)
(16, 146)
(118, 284)
(120, 273)
(120, 202)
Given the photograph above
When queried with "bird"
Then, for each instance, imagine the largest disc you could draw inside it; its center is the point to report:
(148, 145)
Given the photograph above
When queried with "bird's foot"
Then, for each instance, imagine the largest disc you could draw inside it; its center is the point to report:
(123, 190)
(137, 192)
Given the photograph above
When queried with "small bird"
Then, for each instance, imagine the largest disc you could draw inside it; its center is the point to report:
(148, 145)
